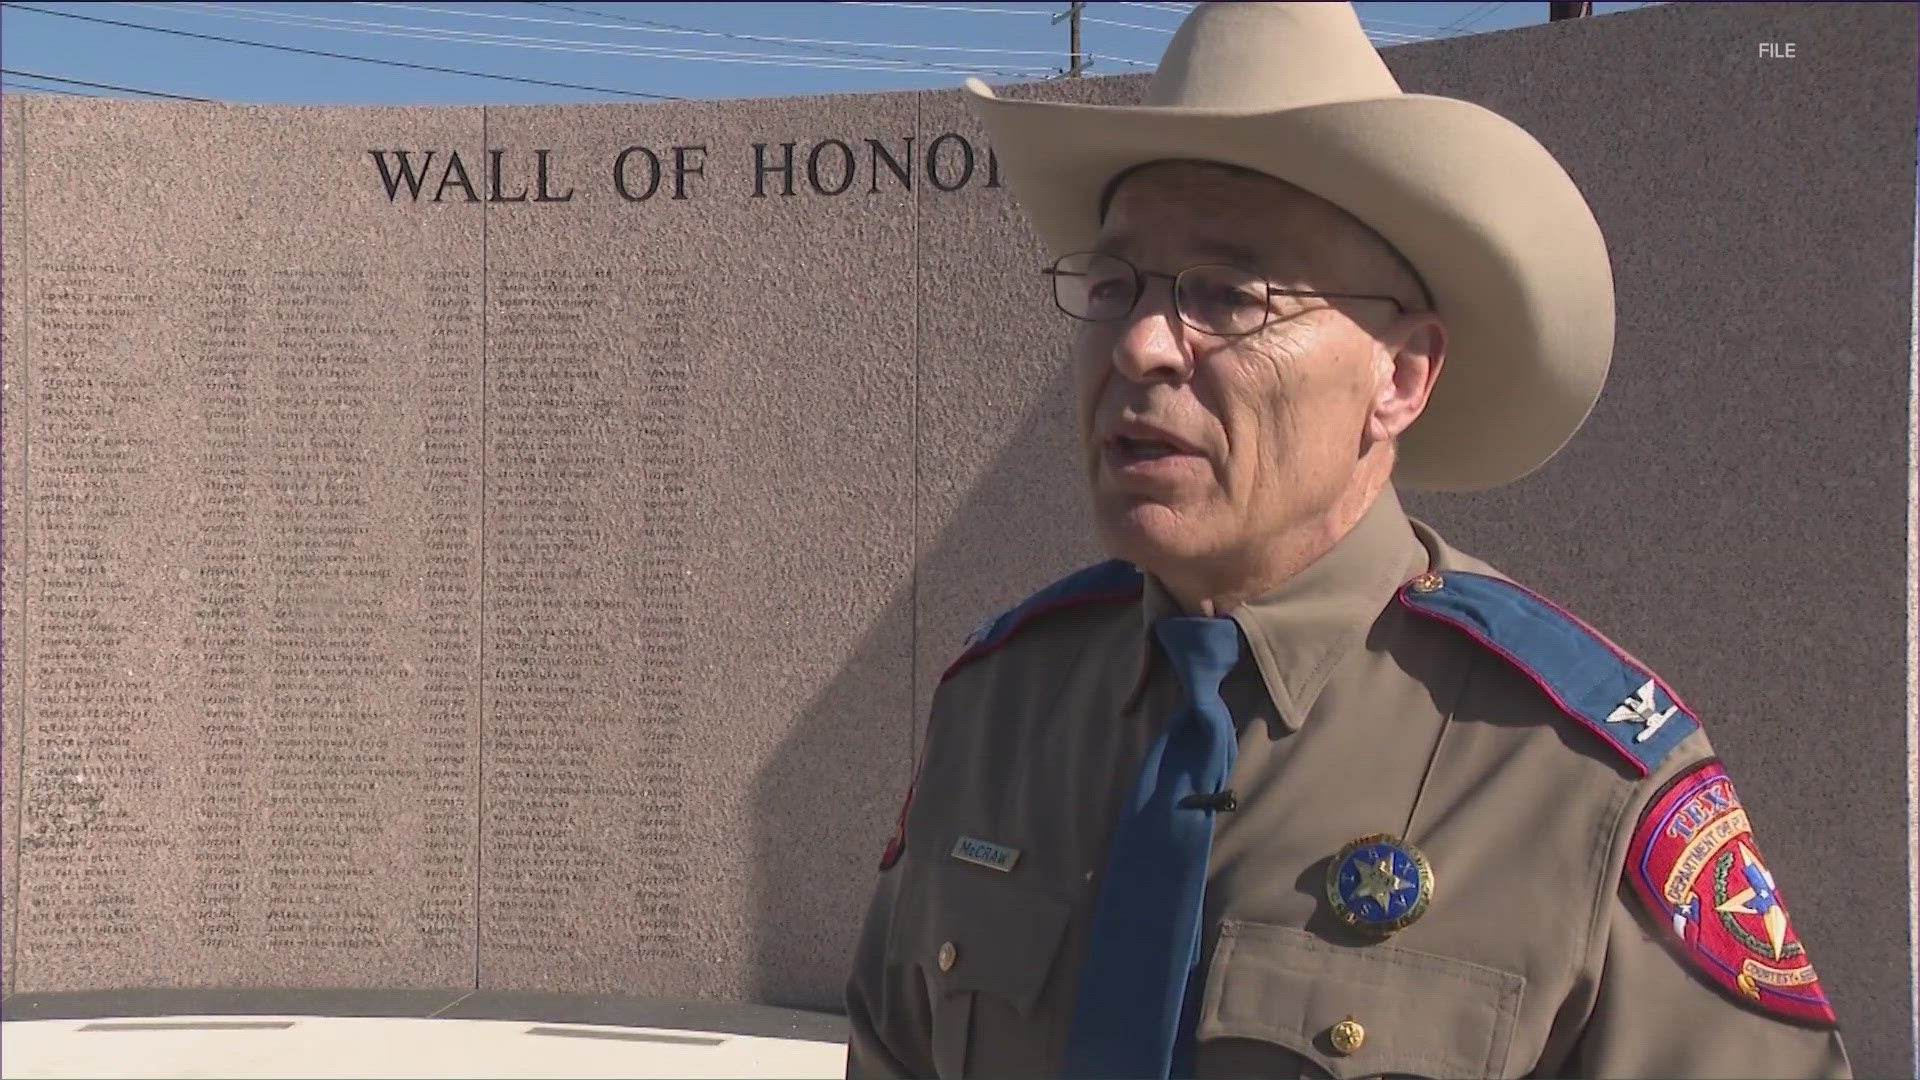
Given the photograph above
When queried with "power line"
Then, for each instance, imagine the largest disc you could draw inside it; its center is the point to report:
(669, 28)
(340, 56)
(810, 46)
(1368, 21)
(591, 47)
(1448, 27)
(1392, 37)
(1464, 22)
(99, 86)
(1185, 9)
(1489, 12)
(1428, 28)
(947, 7)
(4, 84)
(1389, 37)
(1395, 37)
(1129, 26)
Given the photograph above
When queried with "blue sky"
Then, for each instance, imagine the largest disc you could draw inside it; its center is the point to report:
(623, 51)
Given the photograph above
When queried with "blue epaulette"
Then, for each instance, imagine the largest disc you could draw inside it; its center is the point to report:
(1110, 580)
(1592, 680)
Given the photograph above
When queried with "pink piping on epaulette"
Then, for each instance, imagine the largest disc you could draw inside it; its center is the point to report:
(1475, 634)
(997, 640)
(897, 844)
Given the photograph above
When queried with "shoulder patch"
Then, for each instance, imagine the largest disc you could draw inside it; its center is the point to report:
(1694, 863)
(1110, 580)
(1592, 680)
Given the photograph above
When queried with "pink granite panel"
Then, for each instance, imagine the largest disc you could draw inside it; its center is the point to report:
(699, 546)
(248, 741)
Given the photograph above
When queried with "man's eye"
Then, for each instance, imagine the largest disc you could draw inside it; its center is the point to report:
(1226, 298)
(1109, 289)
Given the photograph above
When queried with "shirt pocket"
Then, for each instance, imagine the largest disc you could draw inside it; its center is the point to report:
(1418, 1014)
(986, 946)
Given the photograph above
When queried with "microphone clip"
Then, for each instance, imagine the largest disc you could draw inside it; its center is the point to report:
(1219, 800)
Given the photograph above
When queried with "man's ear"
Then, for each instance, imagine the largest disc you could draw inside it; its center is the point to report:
(1407, 365)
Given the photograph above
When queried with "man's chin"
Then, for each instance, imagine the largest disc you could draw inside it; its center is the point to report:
(1146, 533)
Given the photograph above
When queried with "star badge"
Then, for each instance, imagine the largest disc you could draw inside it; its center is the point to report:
(1379, 883)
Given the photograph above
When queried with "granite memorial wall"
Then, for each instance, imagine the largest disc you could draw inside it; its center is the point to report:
(514, 547)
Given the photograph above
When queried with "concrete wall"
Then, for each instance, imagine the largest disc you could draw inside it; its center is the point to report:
(545, 594)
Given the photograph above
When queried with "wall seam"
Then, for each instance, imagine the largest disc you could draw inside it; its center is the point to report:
(1913, 630)
(480, 720)
(26, 553)
(913, 544)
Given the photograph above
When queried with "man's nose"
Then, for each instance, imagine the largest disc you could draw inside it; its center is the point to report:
(1152, 343)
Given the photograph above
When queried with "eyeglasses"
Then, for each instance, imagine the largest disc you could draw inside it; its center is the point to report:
(1224, 301)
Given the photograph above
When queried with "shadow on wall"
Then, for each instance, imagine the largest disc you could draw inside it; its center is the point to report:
(816, 858)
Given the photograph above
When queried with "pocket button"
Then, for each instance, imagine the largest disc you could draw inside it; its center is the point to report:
(1346, 1036)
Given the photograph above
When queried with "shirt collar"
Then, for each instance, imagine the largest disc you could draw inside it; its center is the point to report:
(1298, 632)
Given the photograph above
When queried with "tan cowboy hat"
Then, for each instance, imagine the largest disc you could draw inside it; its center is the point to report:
(1502, 238)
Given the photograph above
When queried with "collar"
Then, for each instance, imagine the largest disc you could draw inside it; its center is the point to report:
(1297, 633)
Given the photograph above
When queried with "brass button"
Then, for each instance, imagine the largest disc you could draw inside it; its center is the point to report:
(1427, 582)
(1347, 1035)
(948, 954)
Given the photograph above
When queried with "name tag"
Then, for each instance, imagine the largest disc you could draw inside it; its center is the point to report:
(985, 853)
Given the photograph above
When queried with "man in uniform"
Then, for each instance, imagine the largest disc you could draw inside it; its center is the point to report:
(1291, 787)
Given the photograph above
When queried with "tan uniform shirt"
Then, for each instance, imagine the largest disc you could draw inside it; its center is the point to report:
(1356, 716)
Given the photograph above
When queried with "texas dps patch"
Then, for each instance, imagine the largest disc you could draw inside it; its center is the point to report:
(1694, 862)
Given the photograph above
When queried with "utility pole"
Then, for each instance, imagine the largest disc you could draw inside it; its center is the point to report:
(1072, 16)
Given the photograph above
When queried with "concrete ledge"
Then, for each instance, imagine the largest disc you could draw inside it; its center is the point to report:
(763, 1021)
(296, 1047)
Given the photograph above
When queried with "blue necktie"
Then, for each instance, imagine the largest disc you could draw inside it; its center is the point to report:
(1134, 1013)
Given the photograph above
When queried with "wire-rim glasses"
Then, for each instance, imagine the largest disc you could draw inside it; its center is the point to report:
(1224, 301)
